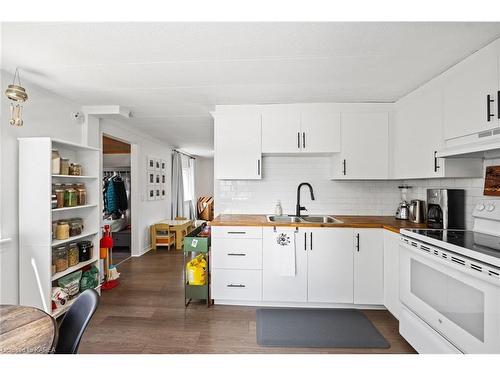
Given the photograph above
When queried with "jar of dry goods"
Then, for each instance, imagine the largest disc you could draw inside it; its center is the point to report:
(81, 193)
(64, 166)
(70, 198)
(54, 229)
(62, 230)
(75, 228)
(59, 192)
(75, 169)
(60, 258)
(73, 254)
(56, 162)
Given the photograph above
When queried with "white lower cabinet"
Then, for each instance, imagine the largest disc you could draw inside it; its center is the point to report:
(329, 265)
(391, 273)
(237, 285)
(276, 287)
(369, 267)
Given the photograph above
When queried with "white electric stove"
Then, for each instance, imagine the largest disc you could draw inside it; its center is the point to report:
(450, 283)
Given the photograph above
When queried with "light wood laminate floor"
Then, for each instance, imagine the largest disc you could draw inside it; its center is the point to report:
(146, 314)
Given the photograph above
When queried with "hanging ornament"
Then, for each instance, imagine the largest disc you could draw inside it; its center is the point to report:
(17, 94)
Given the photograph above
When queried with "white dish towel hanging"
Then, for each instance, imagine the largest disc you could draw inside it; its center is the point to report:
(285, 250)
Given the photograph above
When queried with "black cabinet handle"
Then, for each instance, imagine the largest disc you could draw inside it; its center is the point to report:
(357, 242)
(305, 241)
(498, 104)
(232, 232)
(311, 240)
(304, 140)
(235, 285)
(344, 169)
(488, 108)
(236, 254)
(298, 140)
(258, 167)
(436, 166)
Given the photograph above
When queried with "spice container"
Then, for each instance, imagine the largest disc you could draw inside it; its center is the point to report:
(75, 169)
(56, 162)
(53, 200)
(60, 258)
(62, 230)
(73, 254)
(85, 250)
(70, 198)
(81, 194)
(75, 227)
(64, 166)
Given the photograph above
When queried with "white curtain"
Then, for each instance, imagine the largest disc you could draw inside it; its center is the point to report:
(193, 214)
(177, 186)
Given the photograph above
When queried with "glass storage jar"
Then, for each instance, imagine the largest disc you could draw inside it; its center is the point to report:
(60, 258)
(59, 192)
(70, 198)
(64, 166)
(73, 254)
(62, 230)
(54, 229)
(56, 162)
(75, 169)
(75, 227)
(81, 193)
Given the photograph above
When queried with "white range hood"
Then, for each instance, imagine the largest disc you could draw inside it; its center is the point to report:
(485, 144)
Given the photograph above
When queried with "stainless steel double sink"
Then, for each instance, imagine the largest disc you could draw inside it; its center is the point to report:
(318, 219)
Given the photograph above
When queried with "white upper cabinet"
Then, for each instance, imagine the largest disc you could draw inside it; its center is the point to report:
(238, 143)
(281, 132)
(320, 131)
(364, 147)
(295, 128)
(471, 94)
(417, 135)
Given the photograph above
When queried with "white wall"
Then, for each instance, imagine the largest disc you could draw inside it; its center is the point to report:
(116, 160)
(204, 178)
(280, 178)
(46, 114)
(144, 212)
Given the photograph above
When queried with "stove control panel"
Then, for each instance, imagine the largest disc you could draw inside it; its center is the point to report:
(486, 215)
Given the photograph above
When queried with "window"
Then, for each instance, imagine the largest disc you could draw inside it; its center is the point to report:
(188, 178)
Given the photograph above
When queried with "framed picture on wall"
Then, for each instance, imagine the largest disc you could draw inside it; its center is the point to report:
(157, 178)
(151, 192)
(150, 177)
(163, 179)
(151, 163)
(163, 188)
(163, 165)
(157, 164)
(157, 192)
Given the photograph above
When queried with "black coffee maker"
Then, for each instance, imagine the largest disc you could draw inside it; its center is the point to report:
(446, 208)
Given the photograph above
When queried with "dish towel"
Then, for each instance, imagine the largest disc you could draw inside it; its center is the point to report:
(285, 249)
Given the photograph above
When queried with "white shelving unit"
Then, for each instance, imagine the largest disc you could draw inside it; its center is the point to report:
(36, 216)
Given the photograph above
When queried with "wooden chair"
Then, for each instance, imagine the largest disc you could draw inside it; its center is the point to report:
(161, 236)
(190, 228)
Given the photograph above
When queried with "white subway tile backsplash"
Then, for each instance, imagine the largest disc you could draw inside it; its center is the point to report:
(282, 174)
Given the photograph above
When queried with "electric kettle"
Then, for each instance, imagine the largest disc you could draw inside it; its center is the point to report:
(417, 214)
(403, 211)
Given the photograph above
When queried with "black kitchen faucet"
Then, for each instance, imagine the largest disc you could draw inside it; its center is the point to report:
(300, 208)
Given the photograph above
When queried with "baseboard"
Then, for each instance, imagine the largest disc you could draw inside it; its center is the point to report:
(298, 304)
(144, 251)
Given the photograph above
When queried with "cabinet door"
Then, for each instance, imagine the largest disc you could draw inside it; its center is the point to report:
(276, 287)
(320, 131)
(281, 130)
(466, 87)
(330, 265)
(238, 144)
(391, 273)
(368, 267)
(365, 146)
(418, 134)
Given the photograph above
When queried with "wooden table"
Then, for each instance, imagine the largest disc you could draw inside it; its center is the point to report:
(25, 329)
(180, 227)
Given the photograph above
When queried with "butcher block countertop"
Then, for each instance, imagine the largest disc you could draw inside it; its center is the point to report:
(386, 222)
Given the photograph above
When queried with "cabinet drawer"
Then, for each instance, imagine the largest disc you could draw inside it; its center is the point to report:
(237, 285)
(244, 253)
(236, 232)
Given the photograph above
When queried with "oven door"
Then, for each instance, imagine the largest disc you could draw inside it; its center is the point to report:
(461, 304)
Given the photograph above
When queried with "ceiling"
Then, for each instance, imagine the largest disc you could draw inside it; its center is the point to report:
(172, 74)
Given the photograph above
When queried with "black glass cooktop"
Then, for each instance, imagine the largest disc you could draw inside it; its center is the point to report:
(483, 243)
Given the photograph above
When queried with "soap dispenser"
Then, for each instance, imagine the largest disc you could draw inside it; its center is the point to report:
(278, 211)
